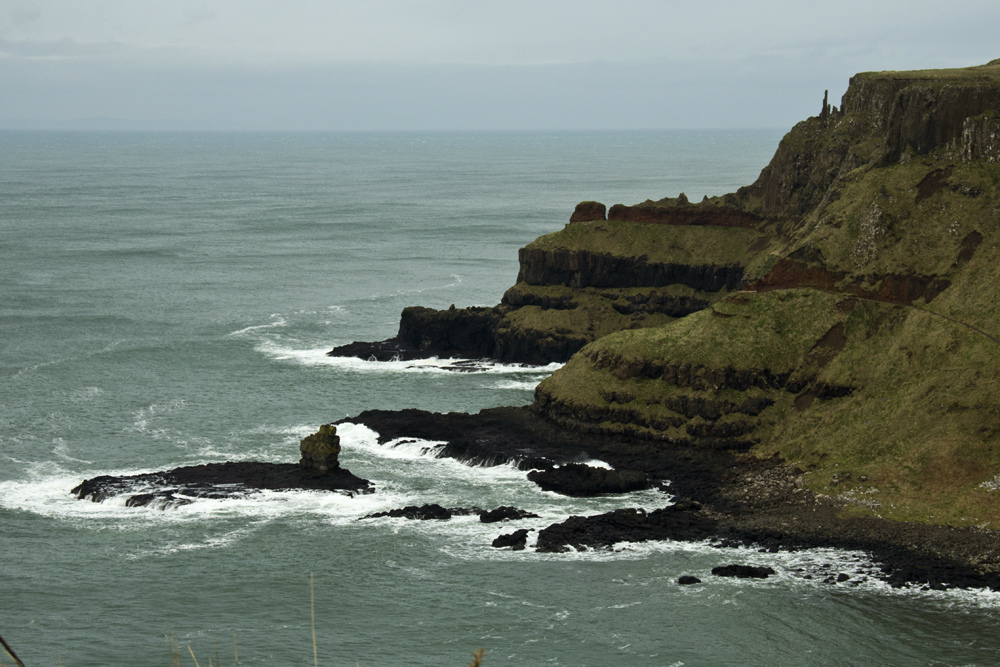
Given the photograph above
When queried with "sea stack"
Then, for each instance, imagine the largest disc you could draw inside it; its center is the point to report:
(320, 450)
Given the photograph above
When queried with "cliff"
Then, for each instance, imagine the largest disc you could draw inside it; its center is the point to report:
(861, 343)
(838, 312)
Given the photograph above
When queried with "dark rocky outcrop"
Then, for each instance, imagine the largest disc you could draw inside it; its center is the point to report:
(743, 571)
(517, 540)
(460, 332)
(433, 511)
(428, 512)
(506, 513)
(681, 521)
(577, 479)
(181, 486)
(740, 502)
(688, 580)
(318, 470)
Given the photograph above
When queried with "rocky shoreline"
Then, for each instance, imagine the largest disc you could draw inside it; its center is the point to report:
(719, 496)
(730, 499)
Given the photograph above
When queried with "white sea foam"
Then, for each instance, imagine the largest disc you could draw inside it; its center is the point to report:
(46, 492)
(524, 385)
(142, 417)
(318, 357)
(61, 449)
(277, 321)
(85, 394)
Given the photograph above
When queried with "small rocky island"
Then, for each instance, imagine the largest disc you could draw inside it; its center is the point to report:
(317, 470)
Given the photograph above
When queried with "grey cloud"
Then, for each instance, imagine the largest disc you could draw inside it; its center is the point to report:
(24, 13)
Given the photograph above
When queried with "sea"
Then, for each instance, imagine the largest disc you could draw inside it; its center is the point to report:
(167, 299)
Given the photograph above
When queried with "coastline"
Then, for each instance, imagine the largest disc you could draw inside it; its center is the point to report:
(743, 501)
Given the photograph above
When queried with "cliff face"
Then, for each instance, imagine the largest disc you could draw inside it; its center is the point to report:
(829, 211)
(583, 268)
(883, 117)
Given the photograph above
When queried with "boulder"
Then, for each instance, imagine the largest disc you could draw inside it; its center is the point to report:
(516, 540)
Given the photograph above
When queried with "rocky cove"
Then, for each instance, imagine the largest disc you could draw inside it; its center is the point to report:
(808, 361)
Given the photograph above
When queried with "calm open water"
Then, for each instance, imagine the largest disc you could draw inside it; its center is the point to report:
(167, 299)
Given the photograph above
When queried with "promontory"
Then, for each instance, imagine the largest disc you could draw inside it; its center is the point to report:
(822, 346)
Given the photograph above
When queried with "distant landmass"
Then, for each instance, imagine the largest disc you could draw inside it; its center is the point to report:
(110, 124)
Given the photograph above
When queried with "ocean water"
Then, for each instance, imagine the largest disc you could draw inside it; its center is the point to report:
(167, 299)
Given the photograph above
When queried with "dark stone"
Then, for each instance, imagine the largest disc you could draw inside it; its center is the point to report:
(516, 540)
(431, 511)
(579, 480)
(505, 513)
(841, 578)
(687, 580)
(456, 332)
(743, 571)
(681, 521)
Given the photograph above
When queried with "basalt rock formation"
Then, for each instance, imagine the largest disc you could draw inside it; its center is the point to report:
(182, 486)
(320, 450)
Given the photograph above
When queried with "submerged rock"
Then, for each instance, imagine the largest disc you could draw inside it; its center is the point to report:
(743, 571)
(431, 511)
(435, 511)
(506, 513)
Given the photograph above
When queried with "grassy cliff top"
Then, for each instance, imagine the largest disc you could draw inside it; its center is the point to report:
(988, 72)
(658, 243)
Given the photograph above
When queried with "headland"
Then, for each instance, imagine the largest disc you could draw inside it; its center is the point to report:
(813, 359)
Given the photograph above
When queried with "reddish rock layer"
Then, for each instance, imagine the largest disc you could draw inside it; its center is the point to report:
(789, 273)
(589, 210)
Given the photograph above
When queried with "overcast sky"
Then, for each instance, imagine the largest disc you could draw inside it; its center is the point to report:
(462, 64)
